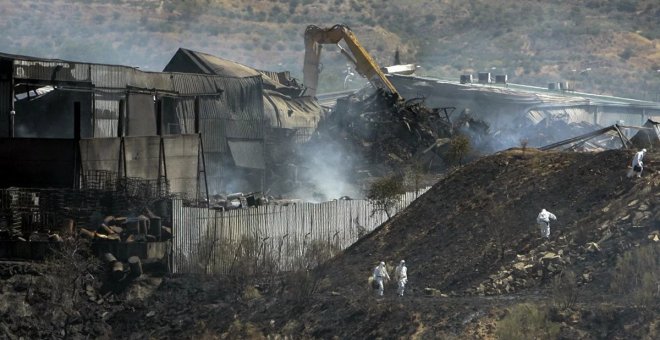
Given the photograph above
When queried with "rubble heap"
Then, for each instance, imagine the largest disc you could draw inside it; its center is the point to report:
(379, 135)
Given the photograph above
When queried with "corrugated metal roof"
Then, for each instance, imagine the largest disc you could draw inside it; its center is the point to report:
(243, 97)
(110, 76)
(190, 84)
(566, 114)
(211, 64)
(51, 70)
(287, 112)
(650, 137)
(107, 76)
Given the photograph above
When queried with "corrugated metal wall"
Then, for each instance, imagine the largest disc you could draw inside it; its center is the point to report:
(208, 241)
(185, 245)
(106, 113)
(144, 159)
(5, 96)
(181, 161)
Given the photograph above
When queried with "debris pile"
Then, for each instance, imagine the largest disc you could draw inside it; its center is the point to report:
(382, 135)
(238, 200)
(146, 227)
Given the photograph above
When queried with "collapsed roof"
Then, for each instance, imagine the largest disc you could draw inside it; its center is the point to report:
(285, 105)
(649, 136)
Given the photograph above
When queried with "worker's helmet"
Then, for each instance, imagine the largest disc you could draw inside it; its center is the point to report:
(382, 263)
(644, 150)
(403, 261)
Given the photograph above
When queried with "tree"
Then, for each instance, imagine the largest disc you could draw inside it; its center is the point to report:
(414, 173)
(523, 144)
(68, 271)
(459, 147)
(384, 194)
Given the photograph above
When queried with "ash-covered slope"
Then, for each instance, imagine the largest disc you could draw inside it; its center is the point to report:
(478, 219)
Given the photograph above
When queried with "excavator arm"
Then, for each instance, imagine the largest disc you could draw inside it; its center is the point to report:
(365, 65)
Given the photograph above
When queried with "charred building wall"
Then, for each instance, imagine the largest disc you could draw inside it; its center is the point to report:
(120, 101)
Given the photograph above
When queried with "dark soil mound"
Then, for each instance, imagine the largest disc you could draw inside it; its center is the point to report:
(480, 217)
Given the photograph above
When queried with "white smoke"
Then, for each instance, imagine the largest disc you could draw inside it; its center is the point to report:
(327, 173)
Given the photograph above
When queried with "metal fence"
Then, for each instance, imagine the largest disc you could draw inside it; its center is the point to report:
(283, 237)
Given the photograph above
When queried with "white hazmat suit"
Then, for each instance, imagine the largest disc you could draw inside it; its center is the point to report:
(380, 274)
(401, 277)
(637, 163)
(544, 221)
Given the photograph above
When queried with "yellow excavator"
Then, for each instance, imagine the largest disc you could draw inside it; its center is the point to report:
(365, 65)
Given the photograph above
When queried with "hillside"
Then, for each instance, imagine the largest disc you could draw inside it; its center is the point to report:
(602, 46)
(477, 268)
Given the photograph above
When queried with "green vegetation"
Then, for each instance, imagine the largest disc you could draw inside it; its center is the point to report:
(384, 193)
(527, 321)
(636, 276)
(459, 148)
(565, 290)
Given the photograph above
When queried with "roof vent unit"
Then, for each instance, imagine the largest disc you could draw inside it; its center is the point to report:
(466, 79)
(501, 79)
(484, 77)
(564, 86)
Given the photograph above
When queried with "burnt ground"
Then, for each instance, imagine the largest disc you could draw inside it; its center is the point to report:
(473, 252)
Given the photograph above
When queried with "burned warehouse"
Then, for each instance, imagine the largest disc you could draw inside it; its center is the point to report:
(119, 107)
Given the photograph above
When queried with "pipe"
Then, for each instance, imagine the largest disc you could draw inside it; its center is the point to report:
(196, 109)
(12, 115)
(121, 118)
(76, 121)
(159, 117)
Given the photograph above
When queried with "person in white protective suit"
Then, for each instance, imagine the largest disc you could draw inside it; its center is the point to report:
(401, 277)
(637, 164)
(544, 221)
(380, 274)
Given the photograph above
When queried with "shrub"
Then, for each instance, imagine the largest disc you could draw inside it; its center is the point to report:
(526, 321)
(303, 284)
(565, 290)
(251, 293)
(523, 144)
(384, 194)
(414, 173)
(637, 274)
(626, 6)
(239, 330)
(626, 53)
(459, 147)
(317, 253)
(70, 268)
(250, 262)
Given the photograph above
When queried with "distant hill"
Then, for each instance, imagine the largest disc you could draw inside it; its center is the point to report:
(609, 47)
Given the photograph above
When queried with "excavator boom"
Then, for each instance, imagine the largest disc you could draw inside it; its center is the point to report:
(365, 65)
